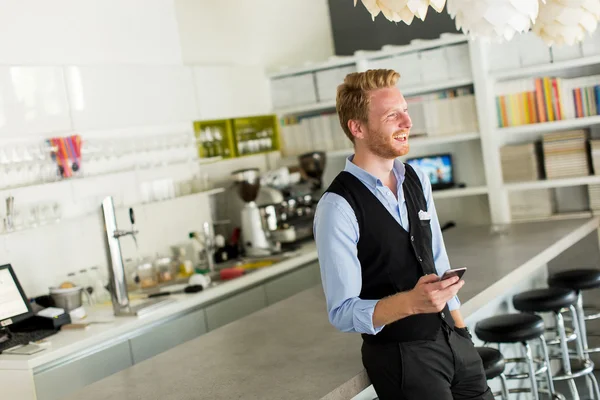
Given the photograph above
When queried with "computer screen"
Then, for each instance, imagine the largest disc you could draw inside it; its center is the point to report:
(437, 167)
(14, 306)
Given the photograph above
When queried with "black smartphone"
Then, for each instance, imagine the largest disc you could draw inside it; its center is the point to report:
(453, 272)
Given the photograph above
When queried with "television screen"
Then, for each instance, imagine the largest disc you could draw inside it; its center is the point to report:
(437, 167)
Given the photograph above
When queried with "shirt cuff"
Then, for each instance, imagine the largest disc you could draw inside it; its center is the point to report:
(454, 303)
(363, 317)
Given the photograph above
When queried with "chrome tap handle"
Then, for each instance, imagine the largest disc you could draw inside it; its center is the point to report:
(133, 231)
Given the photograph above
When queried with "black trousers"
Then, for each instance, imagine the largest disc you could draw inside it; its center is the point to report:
(448, 368)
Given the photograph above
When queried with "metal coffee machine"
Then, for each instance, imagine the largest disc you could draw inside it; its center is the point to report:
(291, 220)
(255, 238)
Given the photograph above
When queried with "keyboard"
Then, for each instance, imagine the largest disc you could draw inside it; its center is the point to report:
(17, 338)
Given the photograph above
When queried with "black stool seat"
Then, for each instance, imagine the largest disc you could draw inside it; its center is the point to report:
(541, 300)
(493, 361)
(510, 328)
(576, 279)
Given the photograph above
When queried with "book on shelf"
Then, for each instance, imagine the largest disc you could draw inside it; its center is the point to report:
(546, 99)
(445, 112)
(317, 132)
(519, 163)
(594, 197)
(565, 154)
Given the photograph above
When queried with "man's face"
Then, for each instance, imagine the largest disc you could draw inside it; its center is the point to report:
(386, 134)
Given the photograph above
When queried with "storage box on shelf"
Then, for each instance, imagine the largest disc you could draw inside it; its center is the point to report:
(227, 138)
(214, 138)
(328, 80)
(255, 135)
(292, 91)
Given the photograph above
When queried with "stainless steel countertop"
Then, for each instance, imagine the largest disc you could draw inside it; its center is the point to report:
(290, 351)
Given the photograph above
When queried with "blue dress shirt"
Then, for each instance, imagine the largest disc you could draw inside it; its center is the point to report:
(336, 233)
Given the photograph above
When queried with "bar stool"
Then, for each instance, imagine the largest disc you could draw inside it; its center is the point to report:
(556, 301)
(520, 328)
(579, 280)
(493, 365)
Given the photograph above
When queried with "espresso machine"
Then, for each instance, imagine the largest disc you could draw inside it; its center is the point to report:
(291, 220)
(255, 238)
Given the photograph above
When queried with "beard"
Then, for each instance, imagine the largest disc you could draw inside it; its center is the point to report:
(385, 146)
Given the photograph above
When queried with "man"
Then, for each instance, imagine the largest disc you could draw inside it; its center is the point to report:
(381, 253)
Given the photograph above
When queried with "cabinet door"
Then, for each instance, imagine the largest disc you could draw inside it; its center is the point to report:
(235, 307)
(167, 335)
(58, 382)
(292, 283)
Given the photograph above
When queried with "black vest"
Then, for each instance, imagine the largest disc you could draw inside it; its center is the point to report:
(392, 260)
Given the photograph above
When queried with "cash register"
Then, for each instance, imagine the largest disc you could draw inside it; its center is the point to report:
(18, 324)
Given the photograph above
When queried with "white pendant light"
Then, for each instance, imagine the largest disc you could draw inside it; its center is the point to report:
(567, 21)
(402, 10)
(496, 20)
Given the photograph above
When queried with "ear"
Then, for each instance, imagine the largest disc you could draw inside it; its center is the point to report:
(357, 128)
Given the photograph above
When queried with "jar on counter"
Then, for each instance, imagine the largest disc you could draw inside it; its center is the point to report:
(164, 269)
(146, 274)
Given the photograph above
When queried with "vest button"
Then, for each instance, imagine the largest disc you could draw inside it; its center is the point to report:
(412, 238)
(420, 259)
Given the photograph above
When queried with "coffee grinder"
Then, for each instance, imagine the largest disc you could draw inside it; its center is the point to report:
(254, 237)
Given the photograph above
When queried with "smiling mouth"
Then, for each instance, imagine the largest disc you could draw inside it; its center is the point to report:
(401, 137)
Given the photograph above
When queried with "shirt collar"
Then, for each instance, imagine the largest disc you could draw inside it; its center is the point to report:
(371, 180)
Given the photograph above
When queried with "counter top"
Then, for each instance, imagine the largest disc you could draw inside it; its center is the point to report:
(112, 329)
(290, 351)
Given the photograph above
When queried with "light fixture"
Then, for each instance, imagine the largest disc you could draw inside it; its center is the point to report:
(567, 21)
(495, 20)
(402, 10)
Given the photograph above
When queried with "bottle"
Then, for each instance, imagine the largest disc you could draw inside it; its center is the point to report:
(198, 256)
(100, 293)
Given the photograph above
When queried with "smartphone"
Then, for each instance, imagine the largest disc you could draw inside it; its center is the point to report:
(453, 272)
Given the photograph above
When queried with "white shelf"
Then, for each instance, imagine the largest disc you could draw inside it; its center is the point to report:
(553, 183)
(435, 86)
(60, 220)
(545, 68)
(460, 192)
(447, 39)
(544, 127)
(556, 217)
(442, 139)
(421, 141)
(407, 92)
(306, 108)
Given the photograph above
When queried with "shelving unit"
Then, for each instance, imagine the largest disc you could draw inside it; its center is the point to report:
(490, 137)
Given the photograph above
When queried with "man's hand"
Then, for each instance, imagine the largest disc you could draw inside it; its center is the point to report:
(430, 295)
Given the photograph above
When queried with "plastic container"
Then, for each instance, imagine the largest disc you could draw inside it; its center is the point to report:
(146, 274)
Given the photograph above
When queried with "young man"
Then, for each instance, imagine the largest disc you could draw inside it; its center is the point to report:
(381, 253)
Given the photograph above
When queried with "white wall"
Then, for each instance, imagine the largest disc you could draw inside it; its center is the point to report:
(106, 69)
(267, 32)
(40, 32)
